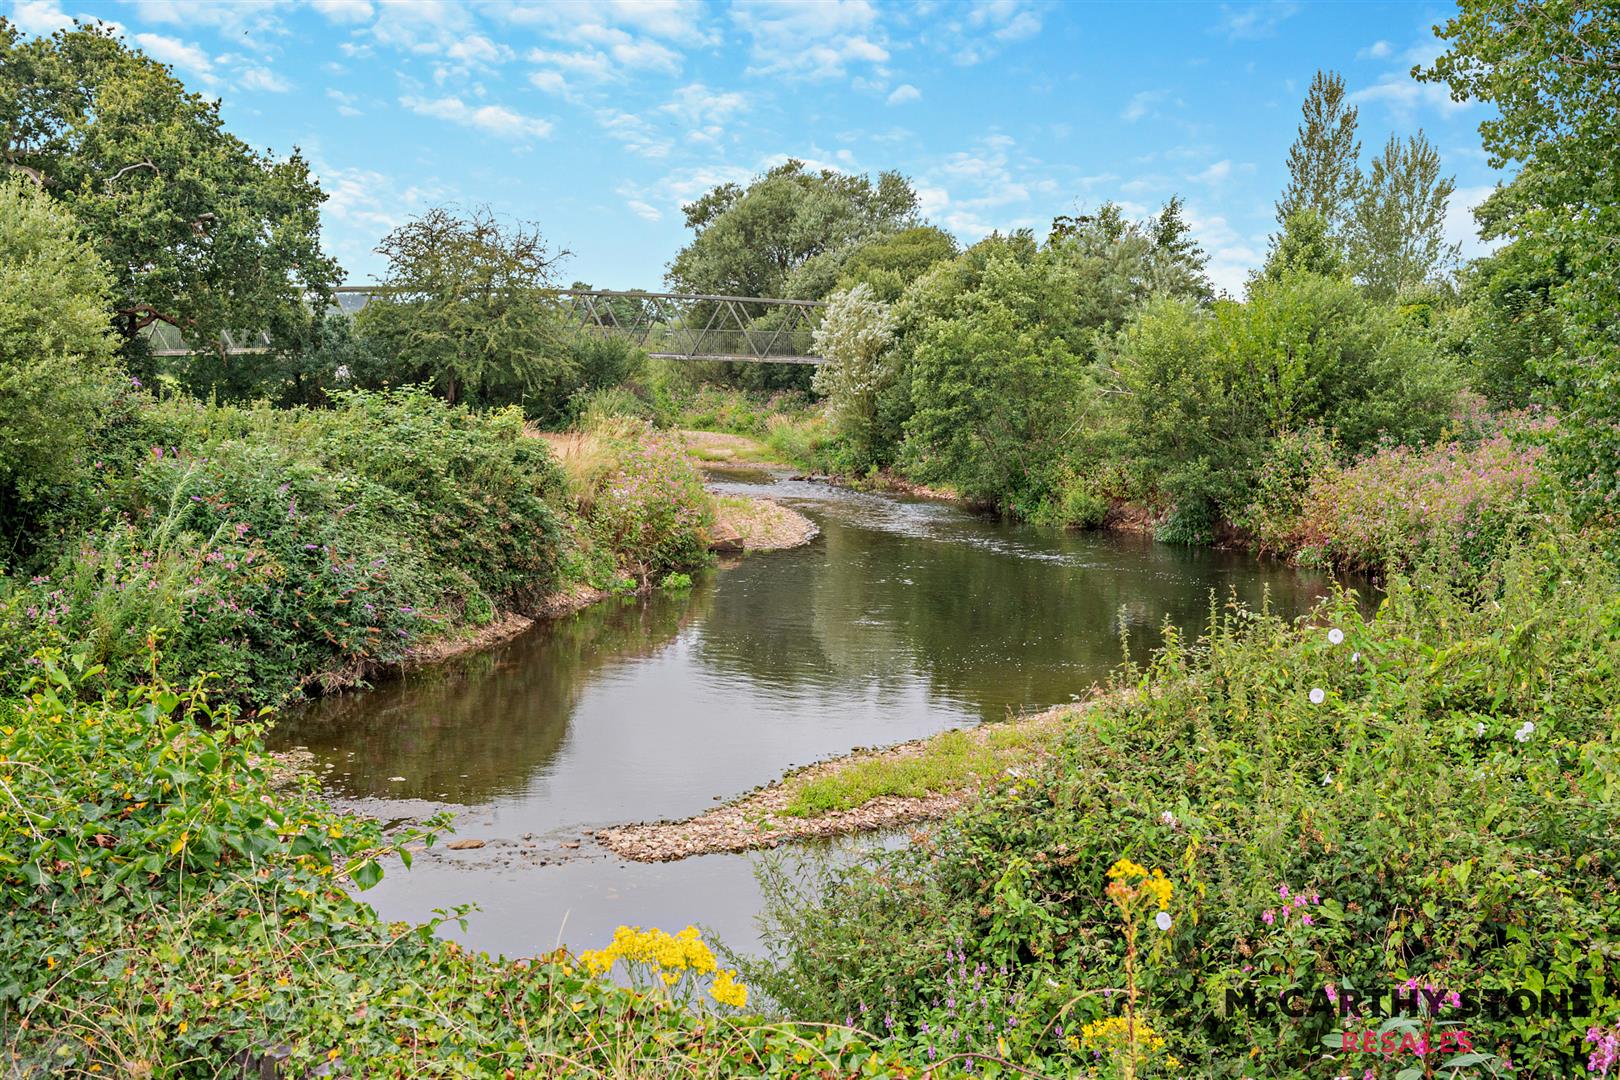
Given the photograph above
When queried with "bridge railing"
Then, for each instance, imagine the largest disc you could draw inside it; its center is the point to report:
(669, 326)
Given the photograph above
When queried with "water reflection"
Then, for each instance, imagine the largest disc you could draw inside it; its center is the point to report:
(901, 619)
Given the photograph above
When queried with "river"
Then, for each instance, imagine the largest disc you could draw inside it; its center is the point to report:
(903, 618)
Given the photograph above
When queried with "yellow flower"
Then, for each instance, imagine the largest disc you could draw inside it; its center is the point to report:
(183, 1026)
(1125, 868)
(728, 991)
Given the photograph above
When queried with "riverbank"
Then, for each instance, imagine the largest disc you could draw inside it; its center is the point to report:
(866, 790)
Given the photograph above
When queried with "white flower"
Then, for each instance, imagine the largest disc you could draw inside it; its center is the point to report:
(1336, 636)
(1479, 729)
(1354, 657)
(1163, 920)
(1318, 695)
(1327, 778)
(1168, 818)
(1526, 730)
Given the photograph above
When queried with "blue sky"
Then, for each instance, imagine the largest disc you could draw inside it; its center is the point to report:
(597, 120)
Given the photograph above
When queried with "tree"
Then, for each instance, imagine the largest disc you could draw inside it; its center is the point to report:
(1322, 162)
(1548, 67)
(751, 241)
(57, 365)
(892, 261)
(855, 331)
(198, 229)
(463, 307)
(1306, 244)
(1395, 238)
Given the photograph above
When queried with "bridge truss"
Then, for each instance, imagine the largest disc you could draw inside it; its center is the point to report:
(669, 326)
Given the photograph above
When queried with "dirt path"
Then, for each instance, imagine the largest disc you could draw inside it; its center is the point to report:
(760, 819)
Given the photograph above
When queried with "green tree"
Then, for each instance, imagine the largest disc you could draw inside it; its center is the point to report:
(994, 380)
(1395, 239)
(1322, 163)
(751, 241)
(1509, 332)
(892, 261)
(855, 332)
(1548, 67)
(199, 229)
(464, 308)
(57, 366)
(1306, 244)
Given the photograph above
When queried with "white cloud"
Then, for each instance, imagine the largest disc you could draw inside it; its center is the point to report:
(426, 27)
(492, 119)
(813, 39)
(263, 79)
(552, 82)
(704, 110)
(1217, 173)
(903, 93)
(251, 26)
(1378, 50)
(989, 25)
(1403, 96)
(178, 54)
(39, 17)
(1255, 21)
(1460, 225)
(345, 102)
(645, 210)
(344, 11)
(637, 135)
(1142, 103)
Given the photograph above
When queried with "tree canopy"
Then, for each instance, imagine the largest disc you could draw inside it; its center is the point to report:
(197, 228)
(751, 241)
(1548, 66)
(463, 305)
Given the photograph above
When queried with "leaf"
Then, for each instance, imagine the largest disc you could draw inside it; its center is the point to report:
(367, 874)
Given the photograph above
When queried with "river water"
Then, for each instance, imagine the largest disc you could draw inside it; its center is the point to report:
(903, 618)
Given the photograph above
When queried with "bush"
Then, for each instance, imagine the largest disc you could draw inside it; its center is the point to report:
(1421, 798)
(279, 548)
(1464, 503)
(650, 508)
(165, 911)
(56, 356)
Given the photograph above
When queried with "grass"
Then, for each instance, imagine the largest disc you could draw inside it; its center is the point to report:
(950, 761)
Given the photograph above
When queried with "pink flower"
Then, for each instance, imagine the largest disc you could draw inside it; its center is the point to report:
(1268, 916)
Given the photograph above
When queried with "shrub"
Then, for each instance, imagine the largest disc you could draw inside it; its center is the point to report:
(165, 911)
(1464, 502)
(56, 354)
(1294, 463)
(651, 508)
(281, 547)
(1423, 798)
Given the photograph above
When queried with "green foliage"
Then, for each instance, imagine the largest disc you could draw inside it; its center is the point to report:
(785, 225)
(649, 507)
(281, 548)
(207, 233)
(56, 355)
(1509, 332)
(993, 382)
(463, 309)
(1205, 394)
(1295, 463)
(1323, 163)
(889, 263)
(1563, 207)
(1395, 239)
(1441, 810)
(166, 911)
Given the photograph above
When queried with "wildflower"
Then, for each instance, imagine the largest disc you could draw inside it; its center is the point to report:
(1318, 695)
(1163, 920)
(1327, 778)
(1168, 818)
(1268, 916)
(1479, 729)
(1336, 636)
(1354, 657)
(1306, 919)
(1282, 891)
(1527, 729)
